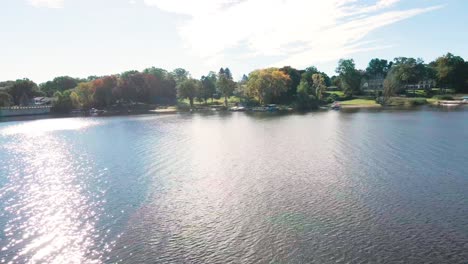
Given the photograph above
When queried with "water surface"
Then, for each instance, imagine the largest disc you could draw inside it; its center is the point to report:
(324, 187)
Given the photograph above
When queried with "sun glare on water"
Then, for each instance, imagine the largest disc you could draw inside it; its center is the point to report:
(52, 216)
(41, 127)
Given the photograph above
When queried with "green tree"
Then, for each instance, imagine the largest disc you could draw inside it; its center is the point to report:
(188, 89)
(305, 100)
(59, 84)
(208, 86)
(451, 72)
(295, 79)
(405, 71)
(225, 84)
(266, 85)
(63, 103)
(350, 78)
(85, 93)
(5, 99)
(22, 91)
(378, 67)
(319, 85)
(180, 75)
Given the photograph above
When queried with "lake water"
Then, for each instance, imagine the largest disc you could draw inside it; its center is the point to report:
(324, 187)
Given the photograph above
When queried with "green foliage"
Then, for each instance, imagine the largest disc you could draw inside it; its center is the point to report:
(188, 89)
(22, 91)
(443, 97)
(451, 72)
(267, 85)
(208, 86)
(350, 77)
(378, 67)
(180, 75)
(401, 101)
(225, 84)
(59, 84)
(332, 98)
(295, 79)
(63, 103)
(319, 85)
(5, 99)
(305, 100)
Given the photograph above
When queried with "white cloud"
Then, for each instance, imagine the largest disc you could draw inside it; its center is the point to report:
(301, 31)
(47, 3)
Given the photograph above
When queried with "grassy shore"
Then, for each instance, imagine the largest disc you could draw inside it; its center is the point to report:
(360, 103)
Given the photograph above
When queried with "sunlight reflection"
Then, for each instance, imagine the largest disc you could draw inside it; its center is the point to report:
(40, 127)
(50, 210)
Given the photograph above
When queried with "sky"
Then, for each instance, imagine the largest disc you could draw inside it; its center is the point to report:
(42, 39)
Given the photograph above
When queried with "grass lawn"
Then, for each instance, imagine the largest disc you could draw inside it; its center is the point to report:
(231, 100)
(363, 102)
(405, 101)
(339, 93)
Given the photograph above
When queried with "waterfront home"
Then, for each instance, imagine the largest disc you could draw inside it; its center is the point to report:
(43, 100)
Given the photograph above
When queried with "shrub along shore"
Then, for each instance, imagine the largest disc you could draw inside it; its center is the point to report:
(401, 82)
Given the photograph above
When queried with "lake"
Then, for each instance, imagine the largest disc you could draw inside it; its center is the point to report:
(323, 187)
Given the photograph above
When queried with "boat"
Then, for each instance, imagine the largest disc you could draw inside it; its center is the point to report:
(237, 109)
(454, 102)
(272, 108)
(95, 112)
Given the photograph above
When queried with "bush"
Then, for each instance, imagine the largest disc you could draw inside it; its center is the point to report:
(416, 101)
(332, 98)
(306, 102)
(64, 103)
(5, 99)
(443, 97)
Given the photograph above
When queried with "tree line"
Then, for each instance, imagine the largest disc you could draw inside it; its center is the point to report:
(303, 89)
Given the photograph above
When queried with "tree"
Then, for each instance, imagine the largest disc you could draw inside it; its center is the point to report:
(64, 102)
(225, 84)
(319, 85)
(266, 85)
(5, 99)
(180, 75)
(451, 72)
(378, 67)
(350, 78)
(295, 79)
(22, 91)
(304, 98)
(208, 86)
(103, 90)
(188, 89)
(85, 92)
(405, 71)
(59, 84)
(166, 91)
(392, 85)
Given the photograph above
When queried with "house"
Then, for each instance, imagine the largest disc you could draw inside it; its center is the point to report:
(43, 100)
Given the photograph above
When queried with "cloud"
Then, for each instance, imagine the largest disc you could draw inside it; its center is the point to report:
(298, 31)
(47, 3)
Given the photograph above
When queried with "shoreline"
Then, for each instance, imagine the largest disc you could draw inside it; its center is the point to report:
(174, 111)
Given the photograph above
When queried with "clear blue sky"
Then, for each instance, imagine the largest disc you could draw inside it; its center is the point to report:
(42, 39)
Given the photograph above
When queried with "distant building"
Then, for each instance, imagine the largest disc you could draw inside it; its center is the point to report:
(375, 83)
(422, 85)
